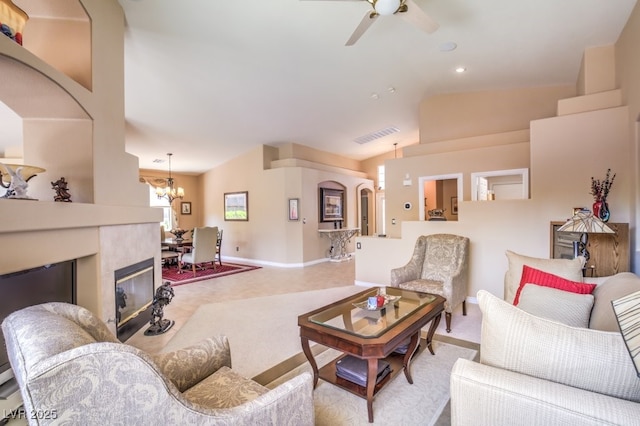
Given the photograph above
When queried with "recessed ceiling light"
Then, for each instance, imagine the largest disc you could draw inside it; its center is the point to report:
(460, 70)
(375, 96)
(391, 89)
(447, 46)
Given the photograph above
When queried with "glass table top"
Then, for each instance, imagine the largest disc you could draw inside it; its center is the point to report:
(355, 318)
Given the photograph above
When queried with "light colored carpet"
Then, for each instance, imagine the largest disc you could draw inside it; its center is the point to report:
(262, 331)
(398, 403)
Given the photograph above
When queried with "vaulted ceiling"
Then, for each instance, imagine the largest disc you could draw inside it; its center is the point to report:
(209, 80)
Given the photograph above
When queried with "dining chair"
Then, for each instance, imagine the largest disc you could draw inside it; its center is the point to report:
(219, 246)
(203, 249)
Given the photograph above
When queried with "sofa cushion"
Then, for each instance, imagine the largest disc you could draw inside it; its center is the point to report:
(225, 389)
(541, 278)
(619, 285)
(563, 306)
(592, 360)
(570, 269)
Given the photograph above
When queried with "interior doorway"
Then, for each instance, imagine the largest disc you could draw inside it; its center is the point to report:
(366, 211)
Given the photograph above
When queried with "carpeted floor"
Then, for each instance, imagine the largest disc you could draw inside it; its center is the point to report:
(177, 277)
(263, 335)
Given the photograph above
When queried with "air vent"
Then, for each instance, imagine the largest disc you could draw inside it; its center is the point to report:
(376, 135)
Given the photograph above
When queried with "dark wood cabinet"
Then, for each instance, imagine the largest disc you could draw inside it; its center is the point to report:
(609, 253)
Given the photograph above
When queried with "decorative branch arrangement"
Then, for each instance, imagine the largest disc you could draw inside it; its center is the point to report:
(600, 189)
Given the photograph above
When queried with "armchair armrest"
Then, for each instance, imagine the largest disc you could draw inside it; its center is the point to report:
(290, 403)
(188, 366)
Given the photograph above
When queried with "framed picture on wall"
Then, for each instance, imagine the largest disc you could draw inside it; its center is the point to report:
(236, 206)
(185, 207)
(293, 208)
(331, 205)
(454, 205)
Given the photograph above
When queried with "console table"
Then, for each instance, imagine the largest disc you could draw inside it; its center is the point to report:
(338, 239)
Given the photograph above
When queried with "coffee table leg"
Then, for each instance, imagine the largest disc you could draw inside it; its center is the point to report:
(406, 362)
(432, 331)
(307, 352)
(371, 384)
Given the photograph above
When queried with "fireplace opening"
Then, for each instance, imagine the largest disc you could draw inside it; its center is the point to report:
(134, 296)
(50, 283)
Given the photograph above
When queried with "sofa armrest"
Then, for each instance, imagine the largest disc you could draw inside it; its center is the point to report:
(481, 394)
(188, 366)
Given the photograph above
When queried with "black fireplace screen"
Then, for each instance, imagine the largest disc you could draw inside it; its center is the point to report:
(134, 295)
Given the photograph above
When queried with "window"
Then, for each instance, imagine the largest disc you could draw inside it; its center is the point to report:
(163, 204)
(381, 178)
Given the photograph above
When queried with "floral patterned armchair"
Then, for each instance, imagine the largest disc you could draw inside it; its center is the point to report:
(439, 265)
(70, 367)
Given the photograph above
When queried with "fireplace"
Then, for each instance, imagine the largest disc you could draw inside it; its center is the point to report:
(134, 295)
(49, 283)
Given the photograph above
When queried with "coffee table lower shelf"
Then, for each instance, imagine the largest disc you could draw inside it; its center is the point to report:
(328, 374)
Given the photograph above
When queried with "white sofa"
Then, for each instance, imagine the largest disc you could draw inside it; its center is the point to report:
(540, 371)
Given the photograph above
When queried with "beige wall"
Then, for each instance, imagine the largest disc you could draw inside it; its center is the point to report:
(562, 153)
(77, 133)
(463, 115)
(192, 194)
(268, 236)
(627, 78)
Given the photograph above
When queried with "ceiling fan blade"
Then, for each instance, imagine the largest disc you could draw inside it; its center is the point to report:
(366, 22)
(418, 17)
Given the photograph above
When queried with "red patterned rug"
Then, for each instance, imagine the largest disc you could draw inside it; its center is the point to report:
(186, 277)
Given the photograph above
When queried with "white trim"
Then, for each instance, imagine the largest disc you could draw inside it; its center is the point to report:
(423, 179)
(274, 264)
(523, 172)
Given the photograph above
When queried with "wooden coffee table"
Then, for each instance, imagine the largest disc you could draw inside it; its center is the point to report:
(370, 335)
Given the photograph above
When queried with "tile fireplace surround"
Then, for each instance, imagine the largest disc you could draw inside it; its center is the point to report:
(97, 236)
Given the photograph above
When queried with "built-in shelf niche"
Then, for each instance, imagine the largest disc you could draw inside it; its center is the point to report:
(59, 33)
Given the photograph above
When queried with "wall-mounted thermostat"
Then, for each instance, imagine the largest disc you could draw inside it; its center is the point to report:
(407, 205)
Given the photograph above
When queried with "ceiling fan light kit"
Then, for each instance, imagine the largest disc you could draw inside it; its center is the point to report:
(386, 7)
(407, 9)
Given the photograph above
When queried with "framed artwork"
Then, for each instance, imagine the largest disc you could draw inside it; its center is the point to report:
(331, 205)
(454, 205)
(293, 208)
(236, 206)
(185, 207)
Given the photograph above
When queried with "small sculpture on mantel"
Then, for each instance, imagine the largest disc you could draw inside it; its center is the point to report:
(62, 190)
(163, 297)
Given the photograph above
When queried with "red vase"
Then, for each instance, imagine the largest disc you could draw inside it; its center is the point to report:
(597, 206)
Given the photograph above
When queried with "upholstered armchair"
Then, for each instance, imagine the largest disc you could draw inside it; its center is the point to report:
(439, 265)
(71, 369)
(205, 241)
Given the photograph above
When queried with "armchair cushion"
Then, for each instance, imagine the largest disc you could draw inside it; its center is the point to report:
(592, 360)
(570, 269)
(225, 389)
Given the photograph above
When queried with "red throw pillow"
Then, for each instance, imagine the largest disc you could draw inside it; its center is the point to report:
(545, 279)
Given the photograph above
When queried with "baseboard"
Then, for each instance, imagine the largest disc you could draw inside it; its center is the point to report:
(274, 264)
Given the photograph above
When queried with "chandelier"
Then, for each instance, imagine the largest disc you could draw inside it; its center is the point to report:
(169, 191)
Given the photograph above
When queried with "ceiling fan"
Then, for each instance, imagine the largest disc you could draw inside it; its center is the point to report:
(407, 9)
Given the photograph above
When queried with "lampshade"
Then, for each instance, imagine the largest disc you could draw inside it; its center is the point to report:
(386, 7)
(586, 222)
(627, 310)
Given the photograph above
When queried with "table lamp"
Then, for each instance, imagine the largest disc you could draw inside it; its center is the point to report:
(586, 223)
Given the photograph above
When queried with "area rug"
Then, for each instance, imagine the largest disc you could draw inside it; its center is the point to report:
(398, 403)
(264, 337)
(171, 274)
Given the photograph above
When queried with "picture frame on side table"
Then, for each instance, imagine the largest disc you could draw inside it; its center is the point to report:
(293, 209)
(236, 206)
(185, 207)
(331, 205)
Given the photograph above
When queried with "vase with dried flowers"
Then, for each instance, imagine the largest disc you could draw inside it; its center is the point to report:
(600, 191)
